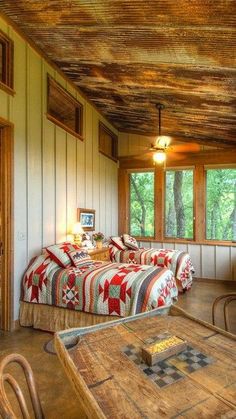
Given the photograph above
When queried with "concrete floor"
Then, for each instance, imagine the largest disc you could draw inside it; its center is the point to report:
(56, 394)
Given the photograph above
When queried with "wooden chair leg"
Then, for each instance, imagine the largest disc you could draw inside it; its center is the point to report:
(5, 408)
(226, 313)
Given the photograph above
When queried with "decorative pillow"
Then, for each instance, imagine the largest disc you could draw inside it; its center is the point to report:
(118, 242)
(80, 257)
(130, 242)
(59, 253)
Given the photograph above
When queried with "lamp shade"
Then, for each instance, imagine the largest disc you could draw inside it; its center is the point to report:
(77, 229)
(159, 156)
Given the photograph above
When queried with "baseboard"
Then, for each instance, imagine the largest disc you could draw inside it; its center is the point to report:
(214, 280)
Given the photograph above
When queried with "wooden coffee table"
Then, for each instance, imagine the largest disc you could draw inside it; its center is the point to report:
(111, 381)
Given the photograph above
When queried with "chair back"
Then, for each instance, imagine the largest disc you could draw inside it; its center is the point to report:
(228, 298)
(5, 407)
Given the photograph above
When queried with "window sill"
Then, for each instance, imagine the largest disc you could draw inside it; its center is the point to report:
(182, 241)
(7, 89)
(61, 125)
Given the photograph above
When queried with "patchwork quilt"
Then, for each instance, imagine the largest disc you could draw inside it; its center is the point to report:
(177, 261)
(101, 287)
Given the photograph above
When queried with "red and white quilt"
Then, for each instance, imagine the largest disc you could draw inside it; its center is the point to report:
(177, 261)
(101, 287)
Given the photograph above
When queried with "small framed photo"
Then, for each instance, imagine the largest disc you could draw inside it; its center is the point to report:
(87, 218)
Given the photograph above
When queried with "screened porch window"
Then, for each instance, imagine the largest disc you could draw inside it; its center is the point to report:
(142, 204)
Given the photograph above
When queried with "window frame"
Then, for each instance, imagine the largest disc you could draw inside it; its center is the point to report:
(78, 108)
(114, 139)
(7, 84)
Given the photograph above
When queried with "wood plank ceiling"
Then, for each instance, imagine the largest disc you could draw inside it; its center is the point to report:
(127, 55)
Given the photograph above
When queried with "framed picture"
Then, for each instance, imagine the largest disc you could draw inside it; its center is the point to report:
(87, 218)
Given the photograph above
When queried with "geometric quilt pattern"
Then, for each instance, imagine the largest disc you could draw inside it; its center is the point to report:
(172, 369)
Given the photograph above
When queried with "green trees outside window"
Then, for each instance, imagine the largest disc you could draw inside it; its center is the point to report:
(221, 204)
(142, 204)
(179, 204)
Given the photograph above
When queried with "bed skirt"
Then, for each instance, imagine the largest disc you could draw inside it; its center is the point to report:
(53, 319)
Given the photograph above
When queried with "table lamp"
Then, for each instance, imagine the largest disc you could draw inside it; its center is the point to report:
(77, 231)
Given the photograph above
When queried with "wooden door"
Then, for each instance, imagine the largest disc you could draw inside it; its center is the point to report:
(6, 225)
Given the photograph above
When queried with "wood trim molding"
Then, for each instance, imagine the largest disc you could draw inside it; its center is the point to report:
(6, 191)
(204, 158)
(123, 201)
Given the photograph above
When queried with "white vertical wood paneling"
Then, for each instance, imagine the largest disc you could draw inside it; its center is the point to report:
(71, 183)
(208, 262)
(102, 193)
(96, 172)
(34, 153)
(80, 150)
(88, 157)
(48, 161)
(223, 263)
(61, 185)
(195, 253)
(168, 245)
(155, 245)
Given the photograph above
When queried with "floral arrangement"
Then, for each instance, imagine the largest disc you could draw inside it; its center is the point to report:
(98, 236)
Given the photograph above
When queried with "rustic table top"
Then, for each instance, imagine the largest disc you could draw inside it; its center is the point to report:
(112, 382)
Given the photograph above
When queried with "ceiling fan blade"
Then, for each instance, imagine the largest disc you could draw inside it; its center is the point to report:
(144, 156)
(175, 156)
(186, 148)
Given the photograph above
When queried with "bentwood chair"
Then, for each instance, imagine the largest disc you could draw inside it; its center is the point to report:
(5, 407)
(228, 298)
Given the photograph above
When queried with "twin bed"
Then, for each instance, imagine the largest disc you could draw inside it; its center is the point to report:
(64, 288)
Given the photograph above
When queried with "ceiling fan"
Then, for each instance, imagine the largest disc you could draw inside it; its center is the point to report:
(161, 148)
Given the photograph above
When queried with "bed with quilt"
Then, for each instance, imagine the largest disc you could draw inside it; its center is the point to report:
(64, 287)
(125, 249)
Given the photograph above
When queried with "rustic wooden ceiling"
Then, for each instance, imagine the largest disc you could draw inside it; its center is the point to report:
(127, 55)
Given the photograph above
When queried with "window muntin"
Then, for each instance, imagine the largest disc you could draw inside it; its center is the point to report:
(64, 109)
(179, 204)
(107, 142)
(6, 61)
(142, 204)
(221, 204)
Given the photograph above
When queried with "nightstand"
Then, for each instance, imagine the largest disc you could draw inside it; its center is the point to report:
(100, 254)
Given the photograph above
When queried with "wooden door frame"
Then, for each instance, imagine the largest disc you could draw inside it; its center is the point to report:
(6, 189)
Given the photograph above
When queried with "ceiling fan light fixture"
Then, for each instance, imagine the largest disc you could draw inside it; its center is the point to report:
(162, 141)
(159, 156)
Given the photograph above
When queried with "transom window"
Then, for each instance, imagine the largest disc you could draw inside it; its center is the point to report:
(142, 204)
(107, 142)
(63, 109)
(6, 62)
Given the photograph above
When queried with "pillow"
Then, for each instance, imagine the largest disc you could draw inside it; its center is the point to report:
(130, 242)
(80, 257)
(58, 253)
(118, 242)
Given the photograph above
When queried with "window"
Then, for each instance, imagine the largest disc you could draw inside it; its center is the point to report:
(63, 109)
(179, 204)
(142, 204)
(221, 204)
(107, 142)
(6, 62)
